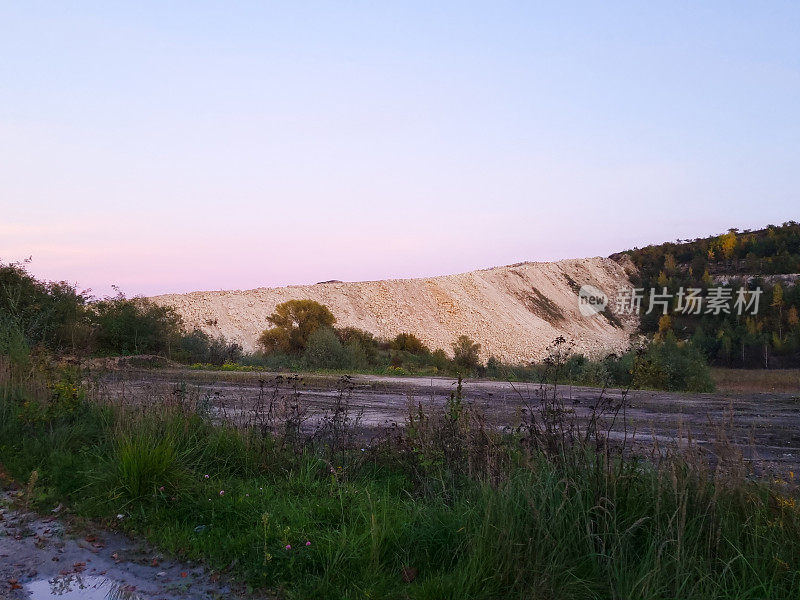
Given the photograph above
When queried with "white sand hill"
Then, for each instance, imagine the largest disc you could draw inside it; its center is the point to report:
(515, 311)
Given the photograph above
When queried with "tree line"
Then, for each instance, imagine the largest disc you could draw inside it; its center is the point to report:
(57, 317)
(304, 333)
(301, 335)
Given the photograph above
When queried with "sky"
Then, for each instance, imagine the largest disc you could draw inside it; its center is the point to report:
(171, 147)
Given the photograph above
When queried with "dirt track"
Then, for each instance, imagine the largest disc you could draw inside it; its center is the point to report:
(765, 427)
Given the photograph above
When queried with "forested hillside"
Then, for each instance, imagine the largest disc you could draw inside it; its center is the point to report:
(768, 259)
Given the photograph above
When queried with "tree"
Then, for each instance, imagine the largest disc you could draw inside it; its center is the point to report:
(664, 325)
(727, 243)
(777, 302)
(292, 324)
(466, 353)
(792, 317)
(135, 326)
(197, 346)
(408, 342)
(51, 314)
(359, 341)
(670, 265)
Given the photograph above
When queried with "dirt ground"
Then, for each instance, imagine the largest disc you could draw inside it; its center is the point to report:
(756, 380)
(47, 557)
(764, 427)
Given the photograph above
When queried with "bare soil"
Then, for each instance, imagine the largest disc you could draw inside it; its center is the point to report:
(763, 428)
(52, 557)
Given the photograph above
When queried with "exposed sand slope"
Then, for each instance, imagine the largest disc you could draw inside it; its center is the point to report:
(515, 312)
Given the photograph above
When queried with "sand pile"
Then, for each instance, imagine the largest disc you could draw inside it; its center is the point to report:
(515, 311)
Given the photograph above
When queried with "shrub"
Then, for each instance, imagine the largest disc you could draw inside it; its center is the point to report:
(14, 346)
(325, 351)
(199, 347)
(357, 356)
(670, 364)
(135, 326)
(440, 360)
(48, 313)
(362, 341)
(594, 373)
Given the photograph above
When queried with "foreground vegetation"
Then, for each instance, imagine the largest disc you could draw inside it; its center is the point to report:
(444, 508)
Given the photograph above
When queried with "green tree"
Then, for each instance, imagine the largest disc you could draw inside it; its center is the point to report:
(359, 342)
(777, 303)
(408, 342)
(466, 353)
(135, 326)
(293, 322)
(51, 314)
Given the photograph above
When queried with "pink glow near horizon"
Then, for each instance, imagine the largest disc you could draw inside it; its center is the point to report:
(178, 147)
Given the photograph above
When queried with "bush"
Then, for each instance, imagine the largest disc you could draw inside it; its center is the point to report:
(14, 345)
(325, 351)
(670, 364)
(135, 326)
(466, 353)
(666, 364)
(362, 342)
(357, 356)
(51, 314)
(441, 361)
(408, 342)
(199, 347)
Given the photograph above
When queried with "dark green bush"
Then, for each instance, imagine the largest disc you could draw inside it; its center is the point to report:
(199, 347)
(135, 326)
(325, 351)
(669, 364)
(51, 314)
(408, 342)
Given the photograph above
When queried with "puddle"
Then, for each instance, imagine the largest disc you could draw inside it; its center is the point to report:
(80, 587)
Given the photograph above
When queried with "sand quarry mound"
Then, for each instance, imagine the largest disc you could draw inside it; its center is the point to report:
(515, 311)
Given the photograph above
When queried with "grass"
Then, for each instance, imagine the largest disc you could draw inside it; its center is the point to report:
(756, 380)
(445, 510)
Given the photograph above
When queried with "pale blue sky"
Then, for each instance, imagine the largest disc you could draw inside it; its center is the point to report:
(236, 145)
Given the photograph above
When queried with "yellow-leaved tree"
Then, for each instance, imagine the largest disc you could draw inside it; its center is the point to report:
(292, 323)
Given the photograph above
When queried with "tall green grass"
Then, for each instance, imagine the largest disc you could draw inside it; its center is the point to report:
(398, 521)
